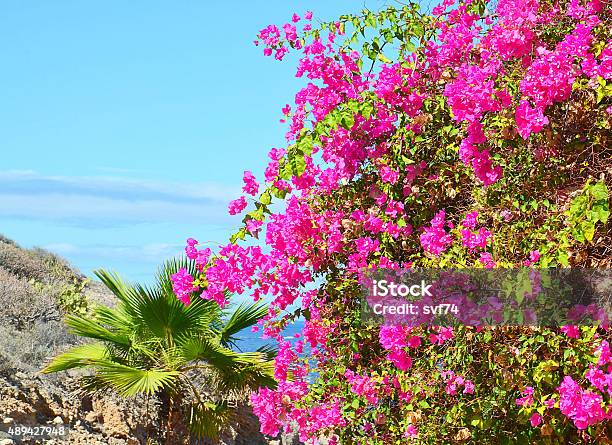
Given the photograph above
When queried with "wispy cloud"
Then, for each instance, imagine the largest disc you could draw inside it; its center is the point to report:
(148, 253)
(103, 200)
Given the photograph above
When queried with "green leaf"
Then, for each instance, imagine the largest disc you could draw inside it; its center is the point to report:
(366, 110)
(384, 58)
(305, 145)
(244, 316)
(206, 419)
(129, 381)
(240, 235)
(578, 235)
(298, 164)
(77, 357)
(347, 120)
(600, 213)
(578, 206)
(417, 29)
(588, 228)
(279, 193)
(599, 191)
(265, 198)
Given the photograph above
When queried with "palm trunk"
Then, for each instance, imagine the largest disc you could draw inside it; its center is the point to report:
(172, 422)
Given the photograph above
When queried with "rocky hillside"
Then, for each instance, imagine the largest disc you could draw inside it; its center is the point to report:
(36, 290)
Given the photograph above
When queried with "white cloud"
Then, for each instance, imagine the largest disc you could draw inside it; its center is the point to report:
(61, 248)
(101, 200)
(148, 253)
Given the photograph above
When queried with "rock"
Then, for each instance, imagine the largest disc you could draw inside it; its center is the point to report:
(29, 398)
(91, 417)
(462, 435)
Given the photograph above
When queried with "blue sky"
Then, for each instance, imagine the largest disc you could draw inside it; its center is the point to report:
(125, 126)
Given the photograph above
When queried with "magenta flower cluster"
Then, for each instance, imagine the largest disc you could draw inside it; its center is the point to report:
(473, 62)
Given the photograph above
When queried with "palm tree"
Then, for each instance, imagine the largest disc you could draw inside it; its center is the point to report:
(153, 344)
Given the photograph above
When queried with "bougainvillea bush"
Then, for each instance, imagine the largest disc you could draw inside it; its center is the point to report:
(476, 135)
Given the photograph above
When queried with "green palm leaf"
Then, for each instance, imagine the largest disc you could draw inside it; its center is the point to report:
(233, 370)
(245, 316)
(85, 327)
(246, 377)
(77, 357)
(270, 351)
(129, 381)
(206, 419)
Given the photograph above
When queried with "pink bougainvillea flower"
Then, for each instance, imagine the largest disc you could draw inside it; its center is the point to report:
(366, 157)
(469, 387)
(603, 352)
(400, 358)
(487, 260)
(435, 240)
(527, 398)
(363, 386)
(414, 341)
(584, 408)
(182, 285)
(470, 221)
(535, 419)
(529, 120)
(534, 257)
(599, 379)
(253, 226)
(392, 337)
(389, 175)
(394, 208)
(191, 251)
(251, 187)
(290, 32)
(411, 431)
(571, 331)
(237, 206)
(441, 334)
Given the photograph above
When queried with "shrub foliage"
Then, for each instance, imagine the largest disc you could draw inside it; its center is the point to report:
(474, 135)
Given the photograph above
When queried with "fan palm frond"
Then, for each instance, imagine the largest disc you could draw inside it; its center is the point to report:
(129, 381)
(89, 328)
(244, 316)
(206, 419)
(233, 370)
(247, 376)
(270, 351)
(77, 357)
